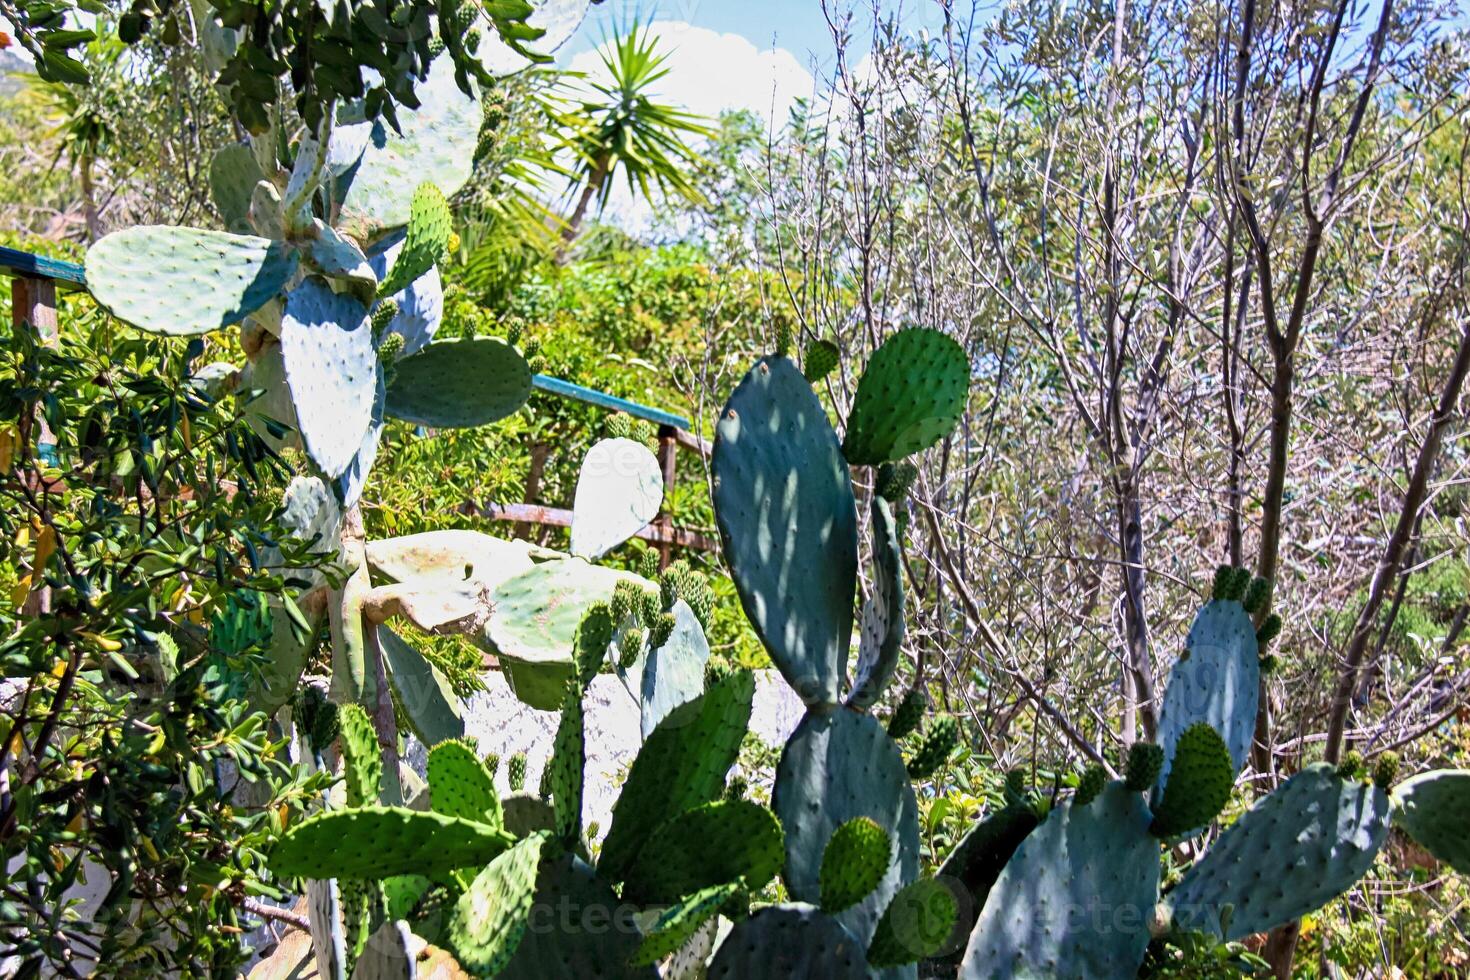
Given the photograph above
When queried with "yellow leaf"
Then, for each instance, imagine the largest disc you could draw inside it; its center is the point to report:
(58, 669)
(45, 548)
(16, 743)
(20, 591)
(111, 646)
(148, 847)
(74, 826)
(8, 439)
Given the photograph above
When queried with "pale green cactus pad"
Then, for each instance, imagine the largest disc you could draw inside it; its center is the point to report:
(881, 630)
(788, 525)
(338, 257)
(728, 840)
(436, 145)
(537, 612)
(673, 672)
(233, 174)
(267, 397)
(911, 395)
(185, 281)
(433, 709)
(353, 480)
(451, 556)
(790, 942)
(1294, 851)
(332, 370)
(420, 303)
(1434, 809)
(426, 241)
(459, 384)
(312, 517)
(491, 916)
(1076, 898)
(380, 841)
(619, 491)
(835, 767)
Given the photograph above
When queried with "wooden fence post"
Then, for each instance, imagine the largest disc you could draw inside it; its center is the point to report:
(668, 451)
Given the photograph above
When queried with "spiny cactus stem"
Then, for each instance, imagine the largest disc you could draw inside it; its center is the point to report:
(385, 722)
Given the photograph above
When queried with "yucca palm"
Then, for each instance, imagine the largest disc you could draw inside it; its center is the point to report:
(626, 129)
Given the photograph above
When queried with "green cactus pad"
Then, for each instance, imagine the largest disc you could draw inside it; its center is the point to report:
(682, 764)
(854, 862)
(233, 174)
(881, 630)
(589, 647)
(459, 384)
(434, 711)
(336, 256)
(538, 685)
(1434, 809)
(435, 143)
(580, 930)
(538, 611)
(378, 841)
(461, 786)
(353, 479)
(526, 813)
(679, 922)
(1143, 766)
(1199, 783)
(426, 243)
(835, 767)
(619, 490)
(452, 556)
(362, 762)
(727, 840)
(788, 525)
(491, 916)
(981, 855)
(332, 371)
(419, 306)
(184, 281)
(673, 672)
(912, 393)
(918, 924)
(789, 942)
(1216, 680)
(936, 745)
(387, 954)
(564, 769)
(820, 358)
(267, 399)
(1294, 851)
(1076, 897)
(908, 713)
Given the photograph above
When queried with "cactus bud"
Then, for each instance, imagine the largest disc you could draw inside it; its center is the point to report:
(592, 828)
(1145, 762)
(618, 426)
(661, 630)
(624, 600)
(1269, 630)
(1385, 770)
(390, 348)
(492, 763)
(895, 480)
(650, 607)
(716, 669)
(383, 315)
(1094, 778)
(736, 788)
(783, 339)
(1255, 595)
(1241, 582)
(908, 714)
(1014, 791)
(1351, 766)
(594, 634)
(436, 46)
(1224, 575)
(630, 646)
(854, 862)
(901, 524)
(821, 358)
(516, 772)
(1270, 664)
(938, 742)
(648, 564)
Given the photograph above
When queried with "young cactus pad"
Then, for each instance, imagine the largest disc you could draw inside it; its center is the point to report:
(460, 785)
(1434, 809)
(459, 384)
(1199, 784)
(426, 241)
(726, 840)
(919, 923)
(680, 922)
(619, 490)
(789, 942)
(1294, 851)
(433, 709)
(379, 841)
(854, 862)
(835, 767)
(332, 371)
(1075, 899)
(184, 281)
(882, 628)
(491, 916)
(418, 307)
(788, 524)
(911, 395)
(672, 672)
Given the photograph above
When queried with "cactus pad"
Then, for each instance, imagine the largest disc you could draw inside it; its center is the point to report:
(387, 955)
(681, 765)
(338, 257)
(426, 243)
(912, 393)
(727, 840)
(673, 672)
(433, 709)
(836, 767)
(565, 767)
(1294, 851)
(418, 307)
(538, 611)
(854, 862)
(459, 384)
(362, 762)
(820, 358)
(882, 627)
(679, 923)
(378, 841)
(185, 281)
(332, 371)
(267, 399)
(452, 556)
(491, 916)
(908, 713)
(1432, 808)
(1215, 680)
(789, 942)
(619, 490)
(918, 924)
(1075, 899)
(328, 938)
(981, 855)
(233, 174)
(788, 525)
(1199, 783)
(435, 143)
(460, 785)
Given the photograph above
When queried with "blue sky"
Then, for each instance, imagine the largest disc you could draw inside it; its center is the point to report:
(796, 25)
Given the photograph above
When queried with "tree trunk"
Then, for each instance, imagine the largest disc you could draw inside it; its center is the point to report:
(573, 227)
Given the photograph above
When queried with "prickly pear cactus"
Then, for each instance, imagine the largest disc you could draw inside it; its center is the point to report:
(460, 785)
(433, 709)
(855, 861)
(379, 841)
(387, 955)
(882, 626)
(911, 395)
(728, 840)
(836, 767)
(233, 174)
(1294, 851)
(619, 490)
(981, 855)
(491, 916)
(820, 358)
(417, 308)
(459, 383)
(789, 942)
(185, 281)
(1216, 680)
(426, 241)
(1434, 809)
(451, 556)
(1199, 783)
(918, 924)
(672, 672)
(679, 923)
(328, 938)
(1075, 899)
(788, 525)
